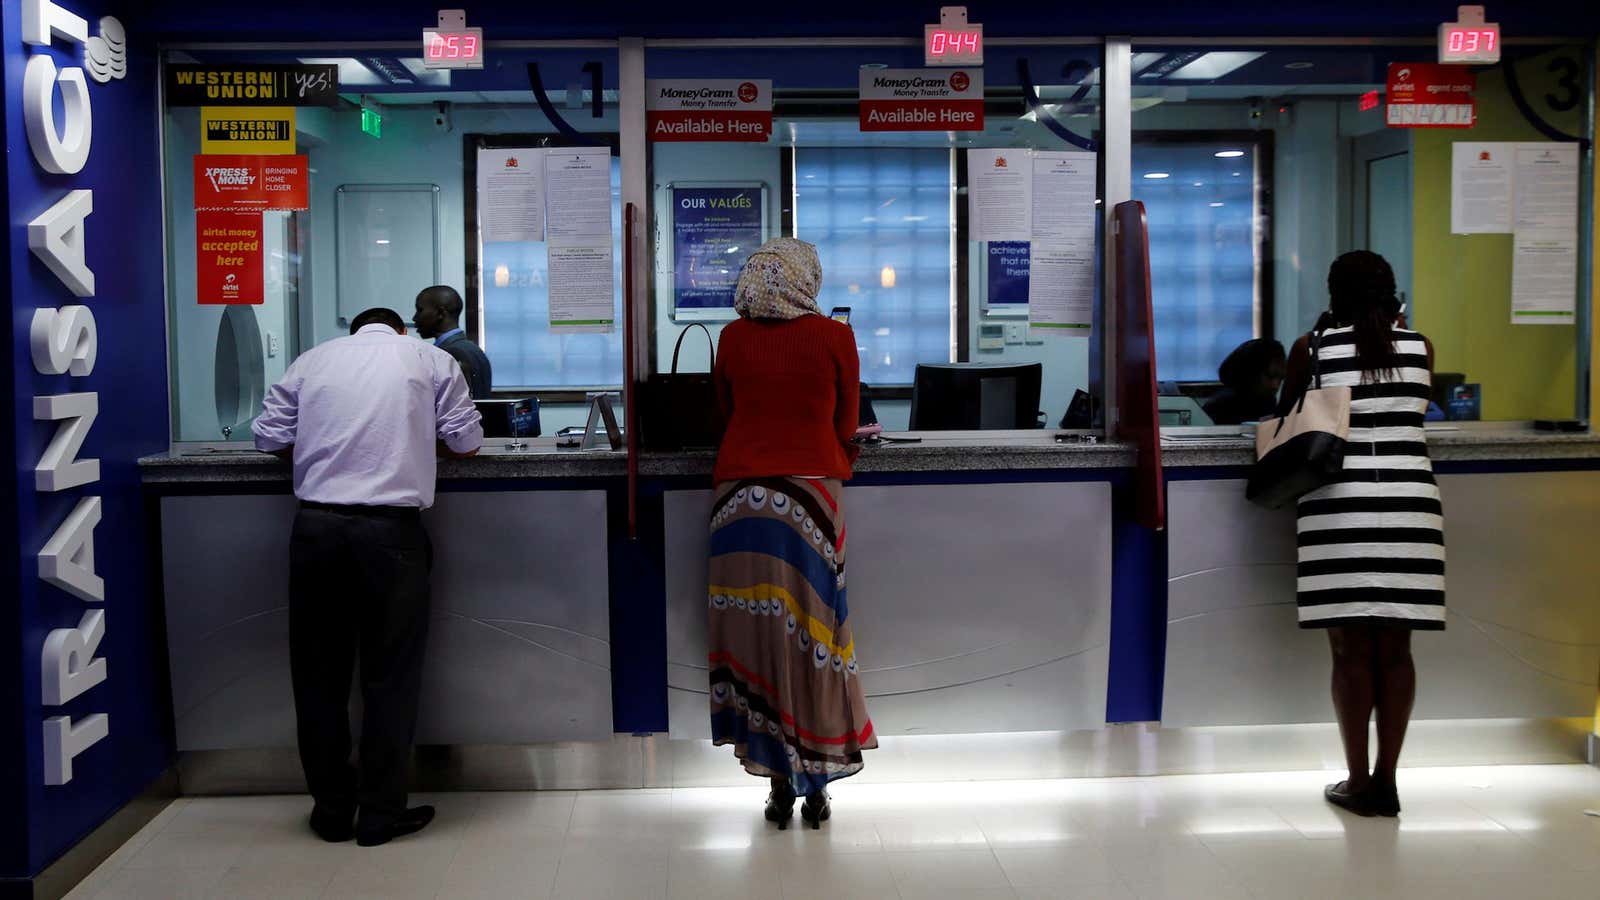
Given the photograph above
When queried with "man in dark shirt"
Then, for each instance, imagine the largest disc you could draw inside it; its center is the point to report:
(438, 318)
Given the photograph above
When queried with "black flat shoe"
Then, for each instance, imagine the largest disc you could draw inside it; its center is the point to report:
(1384, 799)
(411, 821)
(1341, 796)
(780, 808)
(335, 828)
(816, 810)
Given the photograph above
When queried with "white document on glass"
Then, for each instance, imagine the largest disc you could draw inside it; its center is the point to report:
(1061, 287)
(578, 193)
(1544, 278)
(582, 285)
(1480, 187)
(1063, 196)
(511, 194)
(1547, 186)
(999, 195)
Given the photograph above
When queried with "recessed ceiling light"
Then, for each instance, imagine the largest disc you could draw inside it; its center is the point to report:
(1157, 175)
(1199, 184)
(1215, 205)
(1229, 154)
(1237, 174)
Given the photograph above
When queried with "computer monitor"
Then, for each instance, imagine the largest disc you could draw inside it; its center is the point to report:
(509, 418)
(974, 396)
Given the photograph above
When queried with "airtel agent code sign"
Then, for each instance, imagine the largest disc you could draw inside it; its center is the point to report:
(921, 99)
(709, 109)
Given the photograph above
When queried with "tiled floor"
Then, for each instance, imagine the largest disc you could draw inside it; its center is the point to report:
(1467, 833)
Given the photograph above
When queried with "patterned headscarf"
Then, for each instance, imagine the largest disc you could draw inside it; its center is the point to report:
(780, 281)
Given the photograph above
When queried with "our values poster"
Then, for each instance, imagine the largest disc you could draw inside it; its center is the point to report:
(255, 130)
(230, 263)
(714, 229)
(1008, 273)
(237, 182)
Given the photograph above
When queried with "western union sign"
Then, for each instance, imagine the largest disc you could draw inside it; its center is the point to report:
(255, 130)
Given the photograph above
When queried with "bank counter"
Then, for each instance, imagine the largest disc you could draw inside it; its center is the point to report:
(1002, 595)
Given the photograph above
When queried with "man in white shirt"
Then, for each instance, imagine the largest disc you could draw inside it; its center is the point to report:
(363, 418)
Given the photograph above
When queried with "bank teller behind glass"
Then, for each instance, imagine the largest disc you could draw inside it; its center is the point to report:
(362, 418)
(785, 684)
(1371, 545)
(438, 318)
(1251, 378)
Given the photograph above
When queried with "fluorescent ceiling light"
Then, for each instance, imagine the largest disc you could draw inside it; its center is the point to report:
(1142, 61)
(1215, 205)
(1157, 175)
(1229, 154)
(1212, 66)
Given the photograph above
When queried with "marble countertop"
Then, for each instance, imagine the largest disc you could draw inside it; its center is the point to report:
(940, 452)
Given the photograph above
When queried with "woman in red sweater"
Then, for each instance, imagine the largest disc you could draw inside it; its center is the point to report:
(785, 685)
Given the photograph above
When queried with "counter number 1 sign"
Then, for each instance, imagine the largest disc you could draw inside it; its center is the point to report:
(452, 45)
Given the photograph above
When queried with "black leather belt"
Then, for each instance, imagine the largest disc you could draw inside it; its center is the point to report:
(388, 512)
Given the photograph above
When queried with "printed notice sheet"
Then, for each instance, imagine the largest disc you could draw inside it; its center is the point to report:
(1063, 196)
(1061, 287)
(999, 195)
(582, 286)
(1480, 188)
(1544, 266)
(582, 280)
(511, 194)
(578, 192)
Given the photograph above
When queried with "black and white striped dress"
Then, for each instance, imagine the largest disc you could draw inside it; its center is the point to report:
(1372, 543)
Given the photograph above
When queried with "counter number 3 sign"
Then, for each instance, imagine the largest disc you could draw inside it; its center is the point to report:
(452, 45)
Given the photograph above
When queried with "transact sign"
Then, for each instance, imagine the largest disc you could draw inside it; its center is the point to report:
(725, 109)
(921, 99)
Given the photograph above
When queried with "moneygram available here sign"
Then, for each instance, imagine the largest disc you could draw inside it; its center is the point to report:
(726, 109)
(230, 181)
(921, 99)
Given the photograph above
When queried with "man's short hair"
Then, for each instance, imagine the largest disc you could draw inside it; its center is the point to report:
(378, 315)
(445, 297)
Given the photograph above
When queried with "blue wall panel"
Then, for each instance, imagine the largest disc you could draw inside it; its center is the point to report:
(125, 254)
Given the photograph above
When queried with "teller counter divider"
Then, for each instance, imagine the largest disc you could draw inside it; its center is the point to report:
(1008, 608)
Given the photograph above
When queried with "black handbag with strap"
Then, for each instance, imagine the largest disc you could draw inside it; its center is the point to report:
(680, 411)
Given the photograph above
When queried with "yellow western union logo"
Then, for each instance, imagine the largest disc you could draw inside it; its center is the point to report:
(253, 129)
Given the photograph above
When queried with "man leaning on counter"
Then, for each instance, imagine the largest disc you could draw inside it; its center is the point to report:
(363, 419)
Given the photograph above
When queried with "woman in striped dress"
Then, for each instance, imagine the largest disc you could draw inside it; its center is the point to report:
(1371, 545)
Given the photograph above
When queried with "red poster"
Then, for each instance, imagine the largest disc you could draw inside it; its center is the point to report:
(709, 109)
(251, 182)
(1428, 95)
(230, 263)
(921, 99)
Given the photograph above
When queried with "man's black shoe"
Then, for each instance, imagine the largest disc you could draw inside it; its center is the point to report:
(335, 828)
(411, 821)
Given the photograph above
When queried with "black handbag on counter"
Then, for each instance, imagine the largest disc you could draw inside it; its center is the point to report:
(680, 411)
(1304, 449)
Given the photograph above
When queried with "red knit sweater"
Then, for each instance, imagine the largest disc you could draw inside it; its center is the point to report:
(790, 392)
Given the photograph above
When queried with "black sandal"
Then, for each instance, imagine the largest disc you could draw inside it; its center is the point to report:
(1384, 799)
(817, 810)
(780, 807)
(1358, 802)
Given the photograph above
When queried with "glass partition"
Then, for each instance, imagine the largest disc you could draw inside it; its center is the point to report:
(395, 207)
(1259, 165)
(886, 209)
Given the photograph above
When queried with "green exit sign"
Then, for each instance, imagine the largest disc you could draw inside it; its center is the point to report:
(371, 123)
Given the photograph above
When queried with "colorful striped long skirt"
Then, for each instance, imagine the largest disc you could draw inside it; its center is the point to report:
(785, 685)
